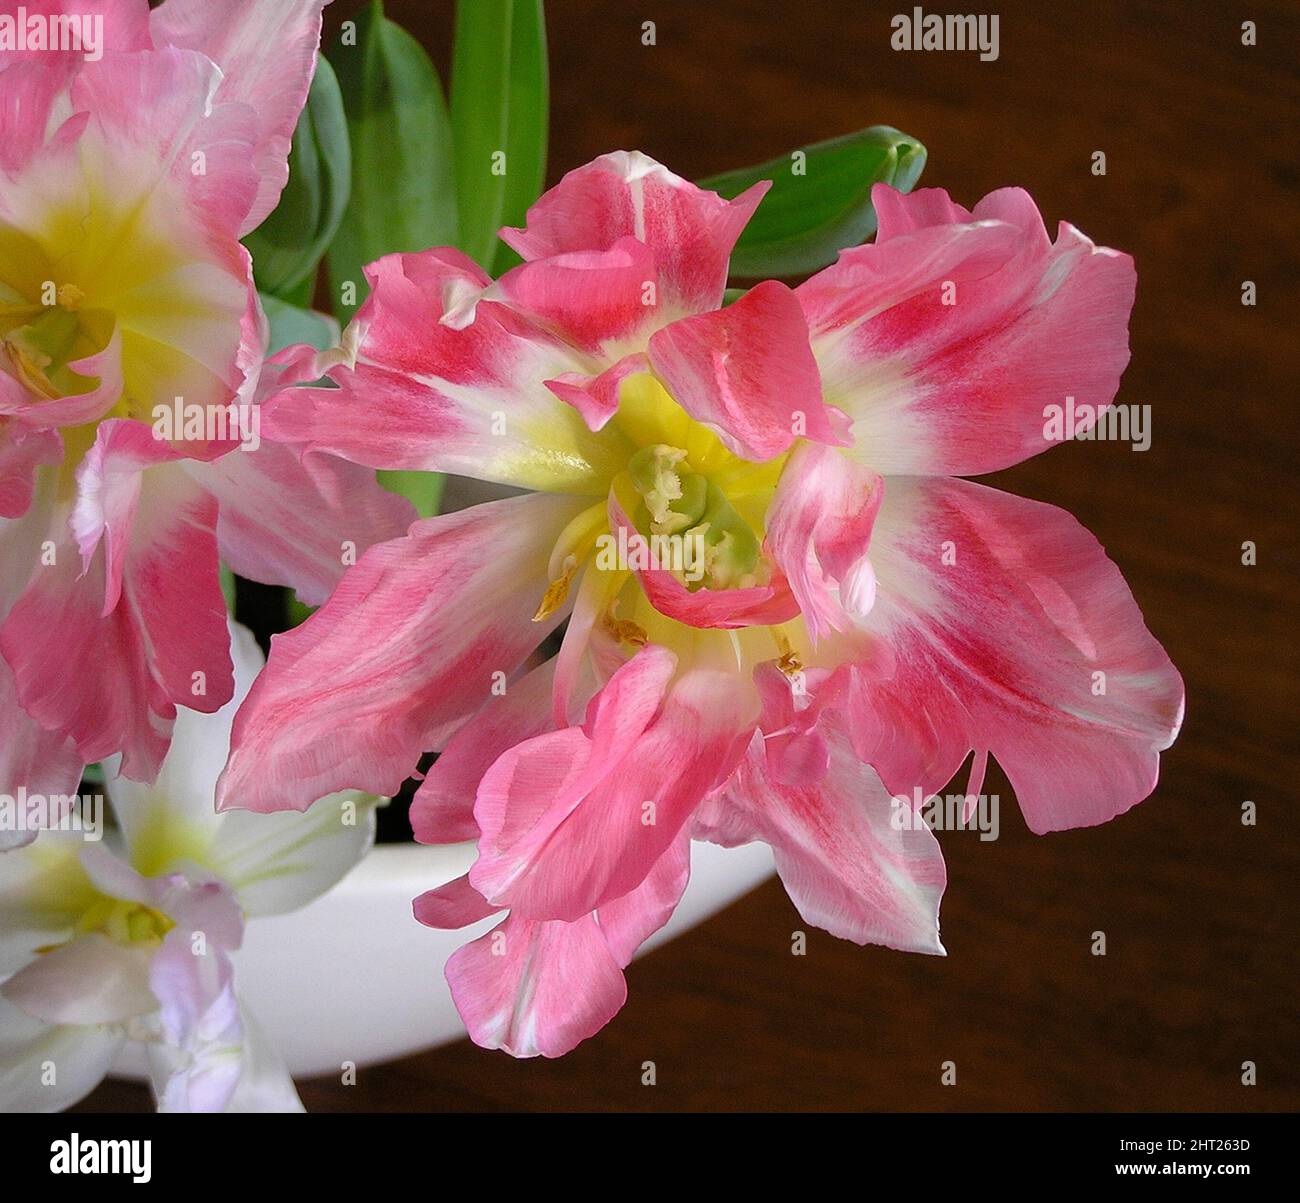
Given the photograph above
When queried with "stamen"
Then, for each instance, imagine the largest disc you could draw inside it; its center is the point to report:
(557, 591)
(70, 297)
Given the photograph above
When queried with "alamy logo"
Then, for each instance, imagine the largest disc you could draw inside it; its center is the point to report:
(29, 812)
(90, 1156)
(81, 33)
(952, 31)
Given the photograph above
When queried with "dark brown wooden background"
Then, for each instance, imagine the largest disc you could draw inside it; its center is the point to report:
(1200, 912)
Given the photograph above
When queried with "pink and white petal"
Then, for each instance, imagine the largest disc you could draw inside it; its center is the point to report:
(452, 906)
(628, 922)
(164, 643)
(443, 382)
(1029, 646)
(535, 786)
(598, 301)
(624, 194)
(283, 519)
(536, 988)
(339, 706)
(442, 811)
(103, 26)
(109, 480)
(23, 449)
(151, 113)
(92, 979)
(946, 343)
(28, 1046)
(848, 864)
(43, 762)
(183, 796)
(596, 397)
(266, 50)
(818, 532)
(563, 856)
(747, 372)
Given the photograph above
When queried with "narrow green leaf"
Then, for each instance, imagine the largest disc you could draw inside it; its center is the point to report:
(820, 200)
(527, 122)
(288, 245)
(480, 119)
(290, 324)
(422, 489)
(403, 179)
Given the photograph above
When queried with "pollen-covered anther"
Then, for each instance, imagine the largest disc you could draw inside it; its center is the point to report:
(557, 591)
(624, 631)
(70, 297)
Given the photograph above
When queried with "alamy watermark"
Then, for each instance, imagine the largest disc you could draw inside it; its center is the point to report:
(78, 33)
(946, 812)
(919, 30)
(682, 554)
(1111, 423)
(190, 422)
(30, 812)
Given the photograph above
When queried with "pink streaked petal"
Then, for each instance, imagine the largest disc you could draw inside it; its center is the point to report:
(596, 397)
(948, 360)
(155, 110)
(109, 479)
(408, 644)
(164, 643)
(534, 787)
(23, 450)
(690, 232)
(266, 50)
(442, 811)
(121, 25)
(818, 531)
(454, 905)
(44, 762)
(849, 864)
(444, 382)
(747, 372)
(569, 857)
(286, 520)
(1000, 652)
(631, 920)
(727, 609)
(591, 299)
(536, 988)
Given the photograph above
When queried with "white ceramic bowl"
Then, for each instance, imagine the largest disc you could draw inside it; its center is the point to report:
(353, 977)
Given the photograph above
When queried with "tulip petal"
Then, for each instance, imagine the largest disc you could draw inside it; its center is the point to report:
(947, 339)
(1023, 641)
(689, 231)
(453, 600)
(747, 372)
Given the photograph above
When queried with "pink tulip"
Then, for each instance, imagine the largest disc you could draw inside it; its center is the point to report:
(862, 622)
(126, 308)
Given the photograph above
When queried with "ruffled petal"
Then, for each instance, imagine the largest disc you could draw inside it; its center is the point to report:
(338, 707)
(947, 339)
(1012, 634)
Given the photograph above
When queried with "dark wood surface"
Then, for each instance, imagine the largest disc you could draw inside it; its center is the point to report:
(1200, 912)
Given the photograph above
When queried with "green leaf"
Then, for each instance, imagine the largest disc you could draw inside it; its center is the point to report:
(820, 204)
(288, 245)
(500, 98)
(290, 324)
(422, 489)
(403, 179)
(527, 123)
